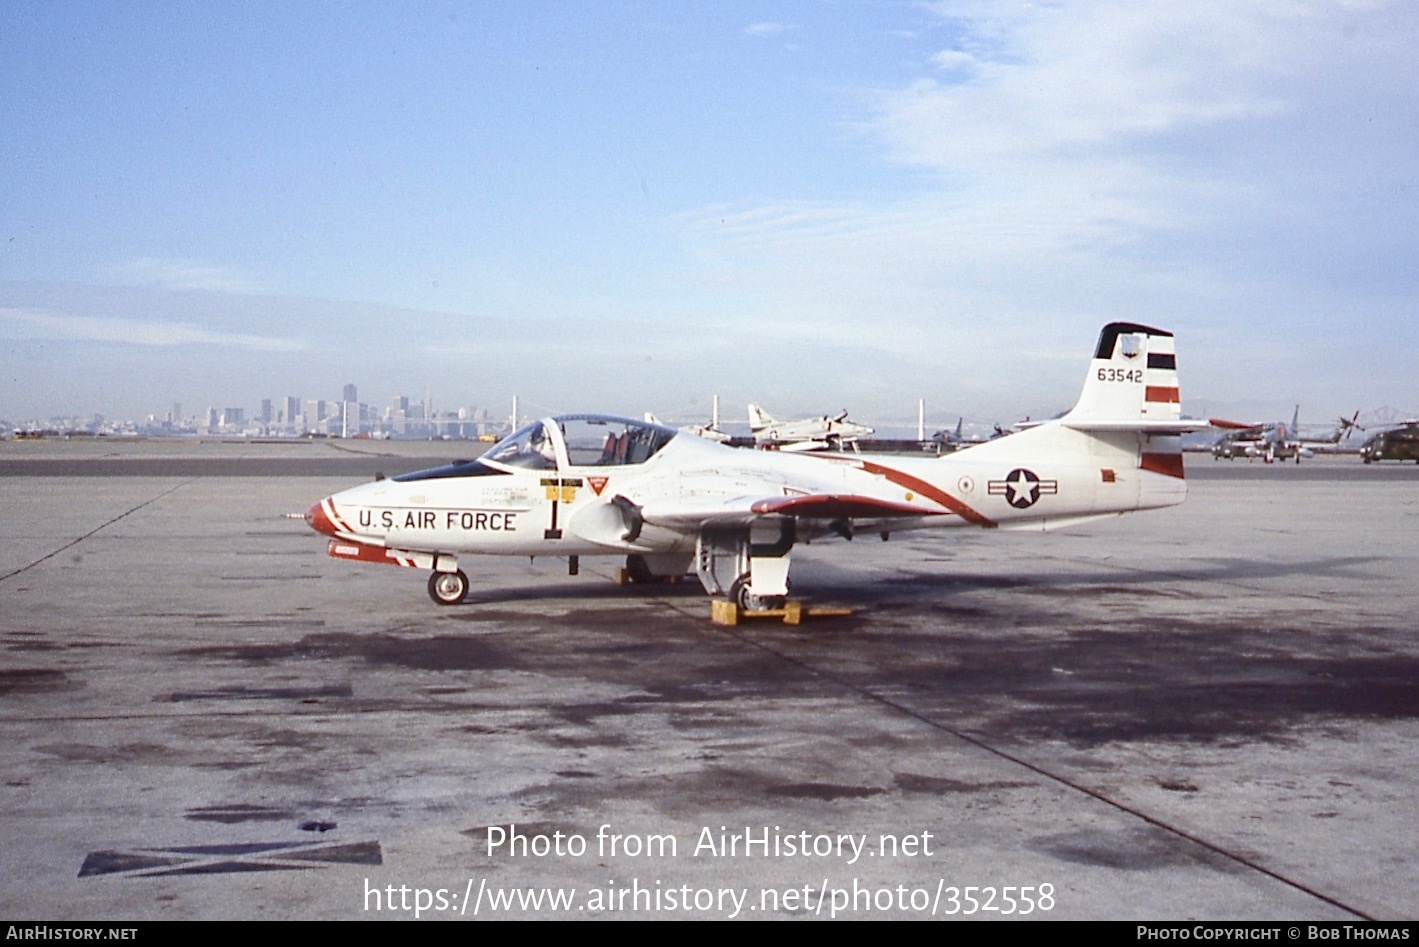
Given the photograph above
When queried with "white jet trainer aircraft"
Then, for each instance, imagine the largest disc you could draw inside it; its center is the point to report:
(586, 484)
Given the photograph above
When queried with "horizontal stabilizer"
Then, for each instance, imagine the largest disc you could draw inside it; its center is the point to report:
(1141, 426)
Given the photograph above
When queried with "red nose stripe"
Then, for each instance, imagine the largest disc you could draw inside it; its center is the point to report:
(317, 520)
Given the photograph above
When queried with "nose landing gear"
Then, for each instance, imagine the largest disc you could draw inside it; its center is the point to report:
(448, 588)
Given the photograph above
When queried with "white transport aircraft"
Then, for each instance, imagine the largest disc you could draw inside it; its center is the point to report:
(586, 484)
(806, 434)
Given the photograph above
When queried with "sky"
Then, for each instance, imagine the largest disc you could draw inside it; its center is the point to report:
(634, 206)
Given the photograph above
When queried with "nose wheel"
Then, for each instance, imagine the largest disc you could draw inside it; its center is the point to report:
(448, 588)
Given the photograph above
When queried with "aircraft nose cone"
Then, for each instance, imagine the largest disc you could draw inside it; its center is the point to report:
(317, 520)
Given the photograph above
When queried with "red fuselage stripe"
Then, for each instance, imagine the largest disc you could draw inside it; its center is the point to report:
(927, 490)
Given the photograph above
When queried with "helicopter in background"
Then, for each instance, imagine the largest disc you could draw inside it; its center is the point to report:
(1400, 442)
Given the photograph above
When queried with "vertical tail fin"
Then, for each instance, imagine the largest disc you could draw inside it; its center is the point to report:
(1132, 380)
(1132, 386)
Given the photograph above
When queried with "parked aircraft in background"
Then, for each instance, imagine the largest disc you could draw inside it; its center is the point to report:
(952, 439)
(807, 434)
(586, 484)
(708, 431)
(1272, 441)
(712, 431)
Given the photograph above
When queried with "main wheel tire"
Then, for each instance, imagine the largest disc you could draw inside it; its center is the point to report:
(747, 601)
(448, 588)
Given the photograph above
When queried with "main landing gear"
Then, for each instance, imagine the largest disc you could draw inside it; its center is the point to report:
(448, 588)
(748, 565)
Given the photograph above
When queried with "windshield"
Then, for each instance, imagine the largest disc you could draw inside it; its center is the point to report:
(529, 447)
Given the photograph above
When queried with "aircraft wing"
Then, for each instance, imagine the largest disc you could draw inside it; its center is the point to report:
(680, 514)
(825, 506)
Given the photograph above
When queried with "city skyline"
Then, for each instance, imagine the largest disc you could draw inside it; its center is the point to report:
(291, 415)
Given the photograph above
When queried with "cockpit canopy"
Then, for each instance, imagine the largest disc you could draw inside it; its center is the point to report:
(600, 441)
(568, 440)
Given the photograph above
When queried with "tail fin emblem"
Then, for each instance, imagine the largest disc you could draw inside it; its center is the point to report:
(1131, 345)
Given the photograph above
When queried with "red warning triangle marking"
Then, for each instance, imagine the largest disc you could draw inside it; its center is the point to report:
(597, 484)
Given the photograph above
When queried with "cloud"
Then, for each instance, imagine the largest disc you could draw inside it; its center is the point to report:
(34, 324)
(1067, 80)
(1057, 140)
(1237, 171)
(768, 29)
(956, 61)
(1158, 136)
(182, 275)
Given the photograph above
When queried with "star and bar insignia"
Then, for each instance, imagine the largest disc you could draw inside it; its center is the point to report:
(1022, 488)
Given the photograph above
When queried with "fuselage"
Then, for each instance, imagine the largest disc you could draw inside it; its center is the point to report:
(1037, 478)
